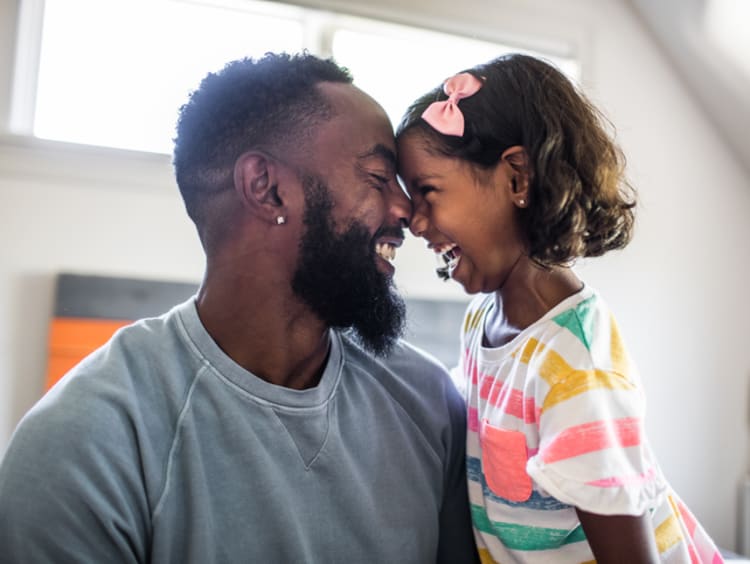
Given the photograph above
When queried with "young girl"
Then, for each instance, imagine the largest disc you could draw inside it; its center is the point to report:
(512, 177)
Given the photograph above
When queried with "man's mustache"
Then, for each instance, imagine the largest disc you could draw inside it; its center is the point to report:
(395, 231)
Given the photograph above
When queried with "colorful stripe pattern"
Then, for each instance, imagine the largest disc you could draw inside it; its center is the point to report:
(555, 422)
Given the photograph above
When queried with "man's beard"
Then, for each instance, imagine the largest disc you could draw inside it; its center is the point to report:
(338, 279)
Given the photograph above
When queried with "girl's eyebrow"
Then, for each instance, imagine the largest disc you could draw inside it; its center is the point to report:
(420, 178)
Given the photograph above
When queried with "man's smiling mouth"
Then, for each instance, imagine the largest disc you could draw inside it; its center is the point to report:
(385, 247)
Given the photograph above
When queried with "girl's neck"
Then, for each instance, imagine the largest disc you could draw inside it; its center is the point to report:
(526, 296)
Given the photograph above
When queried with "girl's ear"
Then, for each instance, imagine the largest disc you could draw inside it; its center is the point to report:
(515, 160)
(516, 157)
(256, 183)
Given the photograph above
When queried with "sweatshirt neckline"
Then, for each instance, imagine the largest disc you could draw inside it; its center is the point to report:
(226, 368)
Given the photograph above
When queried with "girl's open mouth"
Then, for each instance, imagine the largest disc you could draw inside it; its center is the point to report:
(447, 261)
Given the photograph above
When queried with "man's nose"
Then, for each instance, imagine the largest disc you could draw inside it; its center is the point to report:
(399, 205)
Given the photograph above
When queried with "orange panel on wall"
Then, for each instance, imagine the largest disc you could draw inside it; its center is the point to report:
(71, 339)
(89, 309)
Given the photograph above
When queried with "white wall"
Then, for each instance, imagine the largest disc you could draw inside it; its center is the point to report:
(678, 289)
(55, 220)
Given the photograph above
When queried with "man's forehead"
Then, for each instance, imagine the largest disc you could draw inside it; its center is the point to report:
(358, 121)
(354, 104)
(344, 93)
(382, 152)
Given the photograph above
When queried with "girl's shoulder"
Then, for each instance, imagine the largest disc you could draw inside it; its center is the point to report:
(583, 331)
(581, 315)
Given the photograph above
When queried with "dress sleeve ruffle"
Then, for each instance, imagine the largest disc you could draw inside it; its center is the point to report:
(635, 496)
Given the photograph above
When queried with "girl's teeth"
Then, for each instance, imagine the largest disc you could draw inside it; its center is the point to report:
(446, 263)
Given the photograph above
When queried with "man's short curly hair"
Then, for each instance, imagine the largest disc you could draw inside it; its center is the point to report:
(267, 103)
(580, 203)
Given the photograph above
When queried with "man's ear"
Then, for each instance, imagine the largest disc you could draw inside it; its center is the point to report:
(256, 181)
(515, 160)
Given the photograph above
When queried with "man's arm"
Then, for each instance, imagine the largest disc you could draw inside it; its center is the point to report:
(70, 487)
(457, 544)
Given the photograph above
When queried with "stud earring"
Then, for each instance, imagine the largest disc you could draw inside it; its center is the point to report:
(522, 202)
(280, 220)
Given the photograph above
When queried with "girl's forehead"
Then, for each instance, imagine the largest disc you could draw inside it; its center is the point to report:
(416, 151)
(417, 142)
(414, 145)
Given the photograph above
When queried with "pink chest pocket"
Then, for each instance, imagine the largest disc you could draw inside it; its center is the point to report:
(504, 457)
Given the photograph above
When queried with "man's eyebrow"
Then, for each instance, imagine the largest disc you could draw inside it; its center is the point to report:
(381, 151)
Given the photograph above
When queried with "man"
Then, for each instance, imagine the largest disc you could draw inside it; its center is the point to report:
(276, 417)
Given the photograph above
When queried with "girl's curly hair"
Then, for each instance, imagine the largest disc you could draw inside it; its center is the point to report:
(580, 203)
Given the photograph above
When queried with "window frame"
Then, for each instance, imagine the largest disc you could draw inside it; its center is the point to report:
(22, 155)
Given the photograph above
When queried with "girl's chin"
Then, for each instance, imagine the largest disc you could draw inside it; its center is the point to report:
(455, 273)
(471, 284)
(460, 277)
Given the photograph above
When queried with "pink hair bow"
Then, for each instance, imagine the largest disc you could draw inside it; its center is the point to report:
(445, 116)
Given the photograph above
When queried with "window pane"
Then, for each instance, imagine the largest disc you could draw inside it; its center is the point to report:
(396, 64)
(115, 72)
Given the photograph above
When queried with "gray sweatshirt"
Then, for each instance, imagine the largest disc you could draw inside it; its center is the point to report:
(159, 448)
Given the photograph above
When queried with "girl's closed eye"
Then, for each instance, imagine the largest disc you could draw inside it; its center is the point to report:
(425, 190)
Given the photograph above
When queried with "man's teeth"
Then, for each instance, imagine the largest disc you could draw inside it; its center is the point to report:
(386, 251)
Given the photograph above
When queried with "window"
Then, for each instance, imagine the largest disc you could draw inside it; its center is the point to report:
(395, 64)
(114, 72)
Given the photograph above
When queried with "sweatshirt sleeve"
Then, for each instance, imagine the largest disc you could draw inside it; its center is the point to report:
(70, 485)
(456, 544)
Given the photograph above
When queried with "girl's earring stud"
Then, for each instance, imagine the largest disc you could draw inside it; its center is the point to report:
(280, 220)
(521, 202)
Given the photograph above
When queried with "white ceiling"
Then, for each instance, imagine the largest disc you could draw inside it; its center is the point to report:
(708, 44)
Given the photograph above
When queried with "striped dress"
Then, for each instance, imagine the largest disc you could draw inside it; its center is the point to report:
(555, 423)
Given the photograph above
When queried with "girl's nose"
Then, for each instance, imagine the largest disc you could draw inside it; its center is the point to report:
(418, 222)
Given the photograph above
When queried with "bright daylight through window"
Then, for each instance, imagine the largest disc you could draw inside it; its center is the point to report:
(114, 72)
